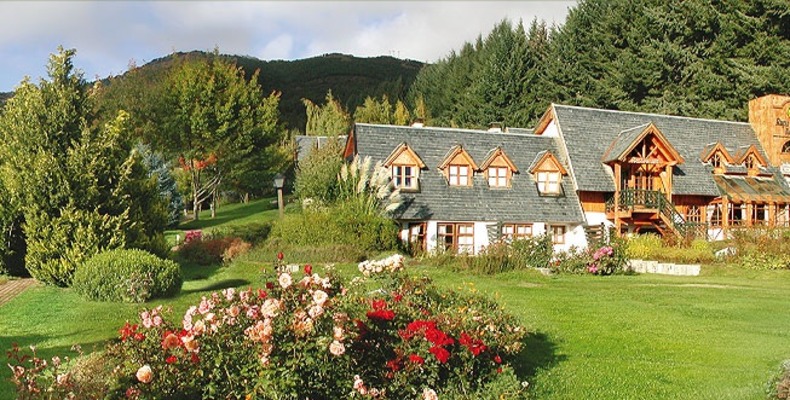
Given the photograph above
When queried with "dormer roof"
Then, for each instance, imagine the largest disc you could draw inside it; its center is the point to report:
(495, 153)
(404, 153)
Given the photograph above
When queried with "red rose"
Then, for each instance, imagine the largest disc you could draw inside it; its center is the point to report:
(393, 365)
(308, 269)
(441, 353)
(262, 294)
(195, 359)
(379, 304)
(269, 285)
(498, 359)
(171, 360)
(139, 337)
(416, 359)
(280, 255)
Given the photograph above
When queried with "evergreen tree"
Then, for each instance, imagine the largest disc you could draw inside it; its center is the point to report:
(331, 119)
(74, 182)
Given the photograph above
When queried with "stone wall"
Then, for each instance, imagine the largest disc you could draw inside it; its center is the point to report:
(655, 267)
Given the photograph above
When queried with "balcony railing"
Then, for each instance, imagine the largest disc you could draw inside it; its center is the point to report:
(636, 199)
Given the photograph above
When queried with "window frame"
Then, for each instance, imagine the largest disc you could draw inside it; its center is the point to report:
(500, 181)
(558, 238)
(517, 231)
(414, 176)
(454, 179)
(544, 182)
(458, 234)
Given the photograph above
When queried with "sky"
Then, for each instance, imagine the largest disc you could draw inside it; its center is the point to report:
(111, 35)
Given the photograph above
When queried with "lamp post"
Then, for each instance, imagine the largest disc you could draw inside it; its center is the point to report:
(279, 182)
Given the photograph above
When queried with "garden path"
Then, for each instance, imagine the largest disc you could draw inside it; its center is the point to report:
(13, 287)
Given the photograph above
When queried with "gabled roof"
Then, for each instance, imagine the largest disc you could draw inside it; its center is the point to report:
(436, 200)
(629, 139)
(744, 152)
(493, 155)
(453, 153)
(710, 149)
(542, 158)
(588, 133)
(401, 149)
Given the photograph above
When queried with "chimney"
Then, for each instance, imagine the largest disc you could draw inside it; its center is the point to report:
(769, 117)
(418, 123)
(495, 127)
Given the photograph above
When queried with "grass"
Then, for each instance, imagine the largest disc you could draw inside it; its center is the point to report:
(646, 337)
(717, 336)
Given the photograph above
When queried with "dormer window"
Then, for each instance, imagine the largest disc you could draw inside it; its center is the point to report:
(548, 172)
(497, 176)
(750, 162)
(717, 161)
(405, 166)
(404, 176)
(549, 182)
(458, 175)
(498, 168)
(458, 167)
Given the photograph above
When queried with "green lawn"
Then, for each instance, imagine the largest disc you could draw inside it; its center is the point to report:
(718, 336)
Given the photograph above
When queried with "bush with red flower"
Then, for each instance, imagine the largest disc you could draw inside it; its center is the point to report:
(306, 335)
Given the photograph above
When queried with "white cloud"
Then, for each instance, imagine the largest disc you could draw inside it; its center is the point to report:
(107, 35)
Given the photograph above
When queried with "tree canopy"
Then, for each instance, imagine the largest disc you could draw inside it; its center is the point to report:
(75, 183)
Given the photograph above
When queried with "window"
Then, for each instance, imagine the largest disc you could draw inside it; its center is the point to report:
(717, 160)
(497, 176)
(417, 235)
(548, 182)
(457, 237)
(693, 214)
(750, 162)
(557, 234)
(715, 215)
(736, 214)
(516, 231)
(459, 175)
(759, 214)
(782, 215)
(404, 176)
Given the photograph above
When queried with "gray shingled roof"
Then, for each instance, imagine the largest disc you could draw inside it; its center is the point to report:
(305, 144)
(588, 133)
(436, 200)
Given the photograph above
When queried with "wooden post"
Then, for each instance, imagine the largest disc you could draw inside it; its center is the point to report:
(725, 216)
(280, 204)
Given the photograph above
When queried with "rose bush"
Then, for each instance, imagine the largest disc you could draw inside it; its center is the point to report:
(307, 335)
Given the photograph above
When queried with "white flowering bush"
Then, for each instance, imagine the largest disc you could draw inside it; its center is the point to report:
(391, 264)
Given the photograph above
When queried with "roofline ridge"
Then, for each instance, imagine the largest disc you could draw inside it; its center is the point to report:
(441, 128)
(652, 114)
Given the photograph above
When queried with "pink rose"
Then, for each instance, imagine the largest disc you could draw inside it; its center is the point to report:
(337, 348)
(144, 374)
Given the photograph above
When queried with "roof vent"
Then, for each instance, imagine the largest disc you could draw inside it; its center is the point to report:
(418, 123)
(495, 127)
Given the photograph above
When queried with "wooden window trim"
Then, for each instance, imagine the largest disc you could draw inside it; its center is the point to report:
(396, 176)
(514, 233)
(736, 210)
(693, 214)
(455, 235)
(558, 238)
(458, 176)
(544, 181)
(498, 180)
(417, 234)
(756, 211)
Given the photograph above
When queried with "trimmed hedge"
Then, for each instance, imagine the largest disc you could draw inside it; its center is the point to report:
(131, 276)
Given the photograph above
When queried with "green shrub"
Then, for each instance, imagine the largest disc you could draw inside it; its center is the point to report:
(503, 256)
(127, 275)
(337, 225)
(573, 261)
(254, 233)
(645, 247)
(653, 247)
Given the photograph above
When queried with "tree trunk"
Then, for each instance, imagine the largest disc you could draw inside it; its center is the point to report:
(195, 193)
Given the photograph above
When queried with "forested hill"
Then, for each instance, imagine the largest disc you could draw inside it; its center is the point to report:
(350, 78)
(692, 58)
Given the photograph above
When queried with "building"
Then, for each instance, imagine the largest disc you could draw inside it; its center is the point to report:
(584, 168)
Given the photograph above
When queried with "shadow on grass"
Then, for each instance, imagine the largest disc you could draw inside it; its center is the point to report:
(224, 284)
(196, 272)
(539, 353)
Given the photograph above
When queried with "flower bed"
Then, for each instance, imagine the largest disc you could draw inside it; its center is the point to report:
(306, 335)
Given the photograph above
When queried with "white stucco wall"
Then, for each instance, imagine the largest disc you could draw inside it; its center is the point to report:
(551, 129)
